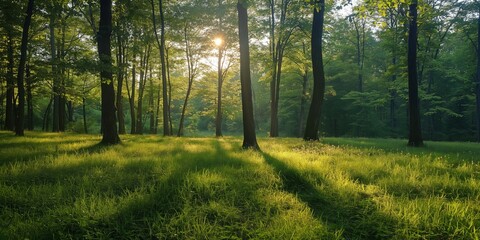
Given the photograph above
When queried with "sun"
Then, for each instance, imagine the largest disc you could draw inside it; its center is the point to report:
(218, 41)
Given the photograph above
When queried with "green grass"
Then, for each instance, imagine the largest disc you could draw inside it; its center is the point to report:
(64, 186)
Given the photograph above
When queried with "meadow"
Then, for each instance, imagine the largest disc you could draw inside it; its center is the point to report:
(66, 186)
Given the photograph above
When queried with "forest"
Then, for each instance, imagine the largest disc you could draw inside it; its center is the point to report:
(364, 58)
(124, 119)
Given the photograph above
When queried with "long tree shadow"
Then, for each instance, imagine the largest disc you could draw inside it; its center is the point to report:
(358, 218)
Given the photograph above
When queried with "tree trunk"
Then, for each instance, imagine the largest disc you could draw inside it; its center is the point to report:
(169, 83)
(151, 105)
(249, 136)
(415, 131)
(120, 76)
(84, 107)
(191, 76)
(477, 84)
(275, 127)
(131, 97)
(166, 106)
(55, 75)
(218, 118)
(167, 131)
(28, 81)
(21, 69)
(184, 108)
(313, 119)
(10, 101)
(141, 89)
(303, 101)
(61, 105)
(62, 97)
(273, 81)
(109, 125)
(46, 115)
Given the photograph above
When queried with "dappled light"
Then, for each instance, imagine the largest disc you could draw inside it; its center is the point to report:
(210, 188)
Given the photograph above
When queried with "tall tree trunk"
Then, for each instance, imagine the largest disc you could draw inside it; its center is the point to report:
(61, 106)
(21, 69)
(166, 105)
(141, 89)
(120, 76)
(313, 119)
(167, 131)
(191, 76)
(55, 76)
(275, 127)
(109, 125)
(303, 101)
(46, 115)
(218, 118)
(477, 84)
(415, 133)
(184, 109)
(84, 107)
(131, 96)
(62, 96)
(28, 81)
(10, 101)
(169, 83)
(151, 105)
(273, 81)
(249, 135)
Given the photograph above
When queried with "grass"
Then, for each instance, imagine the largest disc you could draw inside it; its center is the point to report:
(65, 186)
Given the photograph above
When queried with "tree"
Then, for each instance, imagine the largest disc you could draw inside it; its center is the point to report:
(192, 67)
(477, 82)
(21, 72)
(249, 136)
(161, 45)
(109, 124)
(10, 18)
(313, 119)
(280, 32)
(415, 131)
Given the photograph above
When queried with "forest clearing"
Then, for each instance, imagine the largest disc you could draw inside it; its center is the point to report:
(66, 186)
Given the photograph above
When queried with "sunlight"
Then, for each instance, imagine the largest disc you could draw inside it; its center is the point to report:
(218, 41)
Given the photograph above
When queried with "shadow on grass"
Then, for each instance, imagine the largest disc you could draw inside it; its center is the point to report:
(357, 216)
(146, 195)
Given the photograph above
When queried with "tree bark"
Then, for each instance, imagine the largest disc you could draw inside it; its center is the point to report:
(166, 105)
(141, 89)
(10, 101)
(313, 119)
(151, 105)
(303, 101)
(249, 136)
(218, 118)
(46, 115)
(55, 76)
(131, 97)
(109, 125)
(28, 81)
(191, 76)
(120, 76)
(167, 131)
(477, 83)
(19, 131)
(415, 131)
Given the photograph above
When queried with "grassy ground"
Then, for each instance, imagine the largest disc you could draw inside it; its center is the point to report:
(62, 186)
